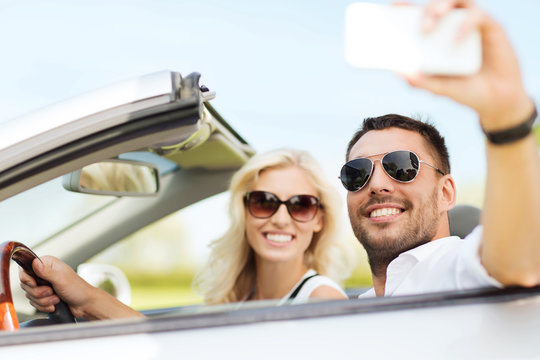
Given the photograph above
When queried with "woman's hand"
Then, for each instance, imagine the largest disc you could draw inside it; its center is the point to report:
(68, 286)
(83, 299)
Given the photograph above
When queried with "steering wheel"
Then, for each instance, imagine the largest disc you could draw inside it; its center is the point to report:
(24, 257)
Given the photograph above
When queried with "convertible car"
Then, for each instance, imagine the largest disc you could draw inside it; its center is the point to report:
(79, 176)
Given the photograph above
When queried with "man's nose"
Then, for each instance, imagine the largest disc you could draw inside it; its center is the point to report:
(380, 182)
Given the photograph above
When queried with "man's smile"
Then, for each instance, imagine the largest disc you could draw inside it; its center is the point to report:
(385, 212)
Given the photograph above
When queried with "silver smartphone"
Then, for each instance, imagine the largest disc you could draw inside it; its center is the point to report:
(390, 37)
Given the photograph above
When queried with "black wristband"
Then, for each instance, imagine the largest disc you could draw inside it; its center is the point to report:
(513, 134)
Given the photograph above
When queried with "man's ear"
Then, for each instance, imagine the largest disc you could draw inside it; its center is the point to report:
(447, 194)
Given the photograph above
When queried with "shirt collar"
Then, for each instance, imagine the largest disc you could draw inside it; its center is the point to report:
(400, 266)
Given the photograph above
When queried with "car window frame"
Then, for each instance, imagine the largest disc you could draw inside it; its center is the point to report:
(180, 319)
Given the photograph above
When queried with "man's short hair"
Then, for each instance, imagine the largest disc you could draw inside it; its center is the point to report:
(430, 134)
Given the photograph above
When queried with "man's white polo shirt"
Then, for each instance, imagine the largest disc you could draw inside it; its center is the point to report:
(444, 264)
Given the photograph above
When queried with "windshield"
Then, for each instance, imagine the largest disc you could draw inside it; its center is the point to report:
(37, 214)
(41, 212)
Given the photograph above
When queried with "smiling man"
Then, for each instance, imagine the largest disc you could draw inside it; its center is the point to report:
(400, 188)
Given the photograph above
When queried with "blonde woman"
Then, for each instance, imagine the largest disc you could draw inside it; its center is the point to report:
(271, 251)
(283, 242)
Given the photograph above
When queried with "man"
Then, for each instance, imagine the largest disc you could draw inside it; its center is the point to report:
(400, 187)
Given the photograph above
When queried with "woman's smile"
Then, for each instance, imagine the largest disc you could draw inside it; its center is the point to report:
(278, 237)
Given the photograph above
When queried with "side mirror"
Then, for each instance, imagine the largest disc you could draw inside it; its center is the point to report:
(107, 277)
(116, 177)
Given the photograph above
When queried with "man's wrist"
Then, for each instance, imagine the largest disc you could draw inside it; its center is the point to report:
(514, 133)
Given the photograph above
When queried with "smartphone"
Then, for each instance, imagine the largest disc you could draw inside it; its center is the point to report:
(390, 37)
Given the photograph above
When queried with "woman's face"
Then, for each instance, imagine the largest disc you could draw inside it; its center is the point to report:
(280, 238)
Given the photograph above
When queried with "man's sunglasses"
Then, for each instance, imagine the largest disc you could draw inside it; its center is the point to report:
(263, 204)
(402, 166)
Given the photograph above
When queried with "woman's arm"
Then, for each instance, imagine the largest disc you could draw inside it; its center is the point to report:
(83, 299)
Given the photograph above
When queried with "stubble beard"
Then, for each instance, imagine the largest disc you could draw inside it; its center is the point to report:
(382, 249)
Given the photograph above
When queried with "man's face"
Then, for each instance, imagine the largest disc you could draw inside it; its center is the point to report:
(389, 217)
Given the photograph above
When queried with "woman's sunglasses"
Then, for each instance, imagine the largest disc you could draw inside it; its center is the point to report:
(402, 166)
(263, 204)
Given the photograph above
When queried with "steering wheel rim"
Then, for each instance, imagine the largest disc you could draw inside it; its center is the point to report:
(23, 256)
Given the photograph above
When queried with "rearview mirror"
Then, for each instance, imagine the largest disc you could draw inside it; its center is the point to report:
(116, 177)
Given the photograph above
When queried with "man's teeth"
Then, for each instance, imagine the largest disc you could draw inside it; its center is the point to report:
(384, 212)
(279, 237)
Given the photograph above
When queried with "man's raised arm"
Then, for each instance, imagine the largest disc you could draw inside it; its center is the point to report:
(511, 237)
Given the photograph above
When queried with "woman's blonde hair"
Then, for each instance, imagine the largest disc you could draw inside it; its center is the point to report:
(230, 273)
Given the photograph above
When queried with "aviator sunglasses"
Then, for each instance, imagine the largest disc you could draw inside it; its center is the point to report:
(264, 204)
(402, 166)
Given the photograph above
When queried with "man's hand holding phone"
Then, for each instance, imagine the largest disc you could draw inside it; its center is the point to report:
(448, 47)
(393, 38)
(496, 91)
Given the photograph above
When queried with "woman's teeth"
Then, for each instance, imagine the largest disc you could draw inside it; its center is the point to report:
(279, 237)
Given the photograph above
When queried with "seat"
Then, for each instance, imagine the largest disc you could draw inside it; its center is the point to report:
(463, 219)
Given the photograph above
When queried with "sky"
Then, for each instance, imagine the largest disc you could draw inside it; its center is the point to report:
(278, 68)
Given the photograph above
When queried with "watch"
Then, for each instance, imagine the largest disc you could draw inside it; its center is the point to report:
(514, 133)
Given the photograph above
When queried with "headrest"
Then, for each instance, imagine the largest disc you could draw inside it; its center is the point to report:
(463, 219)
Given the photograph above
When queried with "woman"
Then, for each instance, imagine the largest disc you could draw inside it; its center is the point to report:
(270, 249)
(266, 254)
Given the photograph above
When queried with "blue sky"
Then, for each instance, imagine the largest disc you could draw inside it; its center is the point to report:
(277, 67)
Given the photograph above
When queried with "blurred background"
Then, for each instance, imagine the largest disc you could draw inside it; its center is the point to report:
(281, 80)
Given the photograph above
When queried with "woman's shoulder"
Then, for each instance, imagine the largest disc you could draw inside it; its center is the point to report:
(320, 286)
(323, 284)
(327, 292)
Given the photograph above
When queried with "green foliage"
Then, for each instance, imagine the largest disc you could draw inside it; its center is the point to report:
(360, 278)
(108, 286)
(151, 291)
(155, 297)
(536, 131)
(165, 279)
